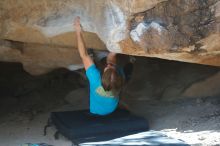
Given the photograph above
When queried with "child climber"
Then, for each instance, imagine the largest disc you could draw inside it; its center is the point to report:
(105, 88)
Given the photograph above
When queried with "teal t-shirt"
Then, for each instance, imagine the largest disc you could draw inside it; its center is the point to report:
(101, 102)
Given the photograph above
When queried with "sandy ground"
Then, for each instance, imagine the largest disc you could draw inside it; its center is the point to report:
(195, 121)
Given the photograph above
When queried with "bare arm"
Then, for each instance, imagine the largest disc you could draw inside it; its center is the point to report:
(87, 60)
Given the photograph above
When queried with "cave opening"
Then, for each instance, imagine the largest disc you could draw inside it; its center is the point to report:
(175, 97)
(22, 93)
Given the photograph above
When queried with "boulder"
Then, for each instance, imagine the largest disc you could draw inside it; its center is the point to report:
(40, 34)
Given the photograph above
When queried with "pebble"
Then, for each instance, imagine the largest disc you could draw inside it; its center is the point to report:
(202, 138)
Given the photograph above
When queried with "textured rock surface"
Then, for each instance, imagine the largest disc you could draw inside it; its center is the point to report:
(178, 30)
(153, 79)
(39, 34)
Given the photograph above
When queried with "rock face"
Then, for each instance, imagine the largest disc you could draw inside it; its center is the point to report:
(153, 79)
(179, 30)
(40, 35)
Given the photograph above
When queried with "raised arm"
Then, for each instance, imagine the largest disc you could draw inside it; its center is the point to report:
(87, 60)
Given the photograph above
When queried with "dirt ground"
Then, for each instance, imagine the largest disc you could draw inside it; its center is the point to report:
(195, 121)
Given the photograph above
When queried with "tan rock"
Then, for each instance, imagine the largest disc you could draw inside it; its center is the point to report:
(206, 88)
(42, 32)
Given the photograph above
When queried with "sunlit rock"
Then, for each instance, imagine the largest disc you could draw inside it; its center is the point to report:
(40, 34)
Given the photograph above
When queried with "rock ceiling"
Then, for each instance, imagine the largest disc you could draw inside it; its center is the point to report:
(40, 34)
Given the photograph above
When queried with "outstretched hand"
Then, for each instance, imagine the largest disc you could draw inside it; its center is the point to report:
(77, 24)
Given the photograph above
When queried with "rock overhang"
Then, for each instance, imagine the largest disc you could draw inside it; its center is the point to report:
(40, 34)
